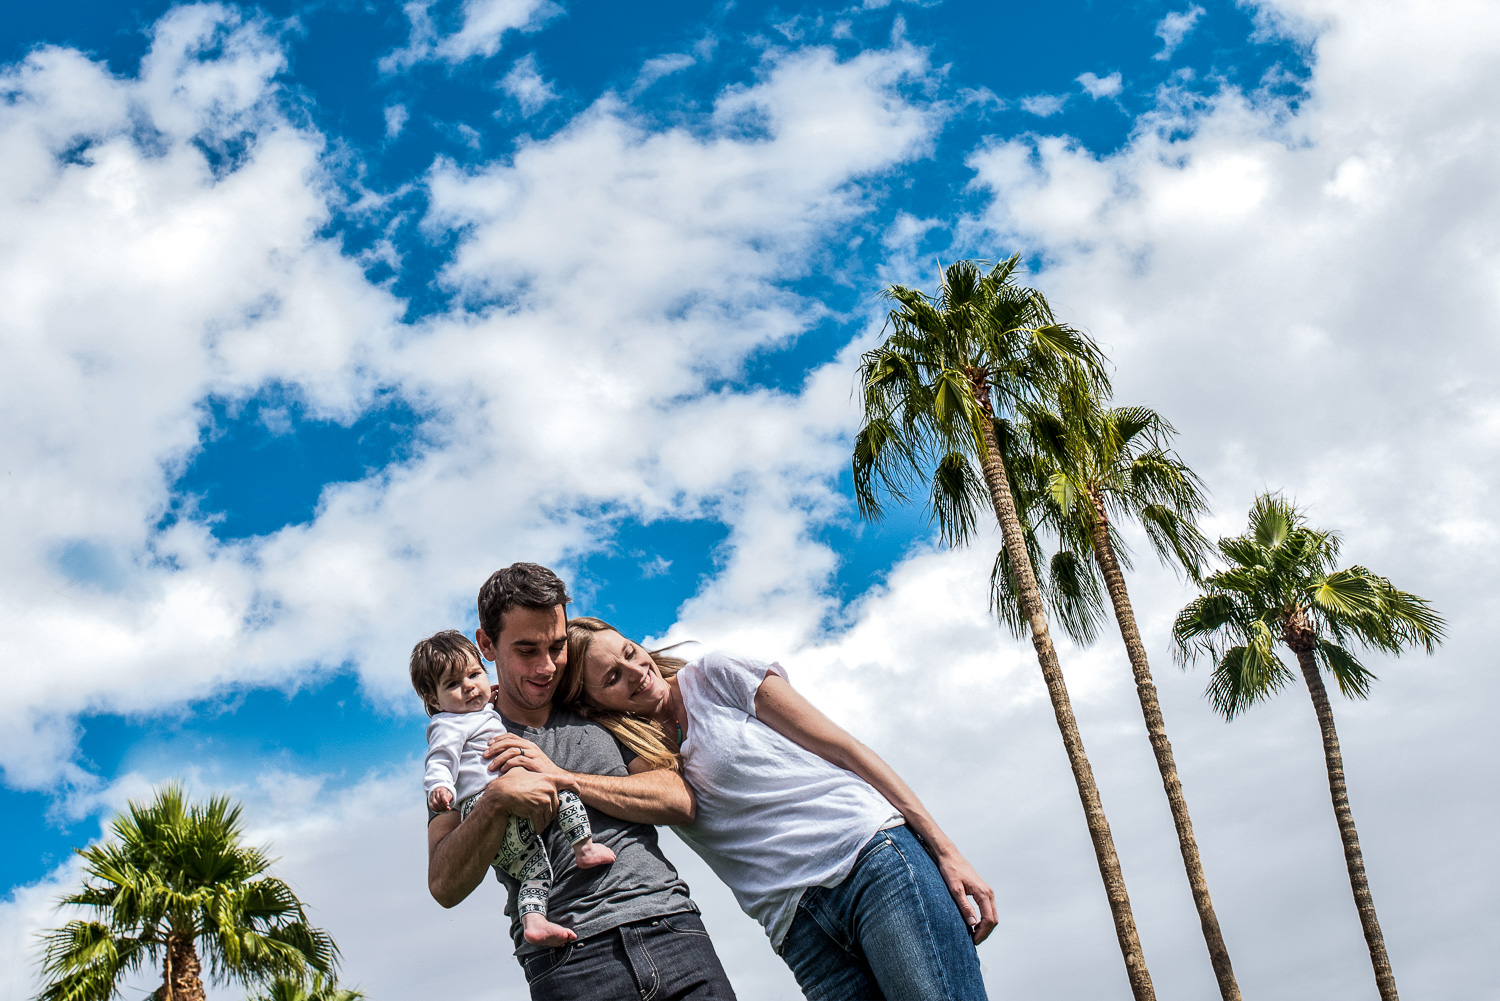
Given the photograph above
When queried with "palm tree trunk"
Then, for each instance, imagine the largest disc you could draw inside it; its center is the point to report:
(183, 979)
(1385, 980)
(1030, 599)
(1156, 729)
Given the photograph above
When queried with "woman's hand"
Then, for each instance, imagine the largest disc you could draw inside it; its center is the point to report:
(963, 882)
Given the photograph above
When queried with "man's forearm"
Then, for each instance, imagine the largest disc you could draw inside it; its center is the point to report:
(657, 796)
(458, 854)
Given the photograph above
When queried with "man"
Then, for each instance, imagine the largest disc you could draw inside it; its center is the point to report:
(638, 930)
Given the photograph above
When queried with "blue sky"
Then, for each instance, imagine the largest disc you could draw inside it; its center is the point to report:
(323, 311)
(263, 461)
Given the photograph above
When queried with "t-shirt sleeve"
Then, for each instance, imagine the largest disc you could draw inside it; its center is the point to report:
(732, 680)
(626, 754)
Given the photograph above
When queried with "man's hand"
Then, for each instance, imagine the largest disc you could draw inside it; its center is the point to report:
(441, 800)
(508, 752)
(963, 882)
(524, 793)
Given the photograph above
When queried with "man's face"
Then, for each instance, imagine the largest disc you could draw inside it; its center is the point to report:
(529, 655)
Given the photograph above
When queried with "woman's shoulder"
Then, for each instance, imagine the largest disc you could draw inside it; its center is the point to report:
(713, 662)
(729, 677)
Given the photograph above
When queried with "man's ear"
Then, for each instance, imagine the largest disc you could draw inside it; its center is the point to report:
(486, 646)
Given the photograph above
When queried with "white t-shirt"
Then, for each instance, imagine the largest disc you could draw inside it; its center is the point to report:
(773, 818)
(455, 748)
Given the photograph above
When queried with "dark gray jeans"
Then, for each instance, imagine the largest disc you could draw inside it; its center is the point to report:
(663, 959)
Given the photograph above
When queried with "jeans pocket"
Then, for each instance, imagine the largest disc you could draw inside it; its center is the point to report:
(540, 965)
(684, 924)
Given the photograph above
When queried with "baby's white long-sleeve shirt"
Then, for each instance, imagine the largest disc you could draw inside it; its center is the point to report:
(455, 745)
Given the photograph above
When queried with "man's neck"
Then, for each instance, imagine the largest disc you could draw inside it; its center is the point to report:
(534, 718)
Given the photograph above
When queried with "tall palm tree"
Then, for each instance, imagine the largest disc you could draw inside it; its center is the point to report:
(1280, 584)
(1094, 467)
(175, 886)
(317, 988)
(932, 393)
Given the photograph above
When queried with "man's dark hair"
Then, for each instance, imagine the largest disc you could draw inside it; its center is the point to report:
(520, 585)
(435, 657)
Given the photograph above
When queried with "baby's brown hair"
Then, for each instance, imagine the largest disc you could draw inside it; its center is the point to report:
(433, 658)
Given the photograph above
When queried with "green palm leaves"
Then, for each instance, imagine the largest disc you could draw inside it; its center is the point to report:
(316, 988)
(1280, 586)
(175, 883)
(945, 378)
(1085, 465)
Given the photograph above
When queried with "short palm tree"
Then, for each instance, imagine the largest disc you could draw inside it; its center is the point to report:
(1092, 467)
(936, 393)
(1281, 584)
(316, 988)
(175, 886)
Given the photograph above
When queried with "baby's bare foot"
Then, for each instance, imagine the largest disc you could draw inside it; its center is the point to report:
(589, 854)
(539, 931)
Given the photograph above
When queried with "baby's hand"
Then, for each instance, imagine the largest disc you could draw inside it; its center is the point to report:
(441, 800)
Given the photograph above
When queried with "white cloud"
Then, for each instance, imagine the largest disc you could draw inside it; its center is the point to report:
(395, 120)
(1175, 27)
(525, 84)
(483, 26)
(658, 67)
(139, 283)
(658, 566)
(1096, 86)
(1043, 105)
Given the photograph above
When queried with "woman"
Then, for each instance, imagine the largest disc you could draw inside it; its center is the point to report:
(819, 839)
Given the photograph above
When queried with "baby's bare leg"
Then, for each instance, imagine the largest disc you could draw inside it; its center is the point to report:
(573, 818)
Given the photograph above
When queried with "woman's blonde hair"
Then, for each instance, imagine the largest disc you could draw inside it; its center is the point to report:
(641, 735)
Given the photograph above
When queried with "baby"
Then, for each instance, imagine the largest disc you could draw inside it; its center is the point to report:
(447, 672)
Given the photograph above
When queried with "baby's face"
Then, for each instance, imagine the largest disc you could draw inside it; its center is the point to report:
(464, 690)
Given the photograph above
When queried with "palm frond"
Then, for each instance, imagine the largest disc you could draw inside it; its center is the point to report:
(1345, 595)
(1354, 678)
(883, 461)
(1176, 540)
(958, 495)
(1247, 674)
(1200, 621)
(1272, 518)
(1075, 595)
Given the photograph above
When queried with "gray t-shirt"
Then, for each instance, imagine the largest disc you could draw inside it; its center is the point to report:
(639, 884)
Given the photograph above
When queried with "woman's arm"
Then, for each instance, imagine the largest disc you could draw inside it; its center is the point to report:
(645, 796)
(783, 709)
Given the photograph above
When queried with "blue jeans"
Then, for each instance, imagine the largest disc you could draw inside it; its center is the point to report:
(663, 959)
(889, 932)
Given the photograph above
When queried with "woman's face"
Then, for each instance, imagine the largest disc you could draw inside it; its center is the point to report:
(619, 675)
